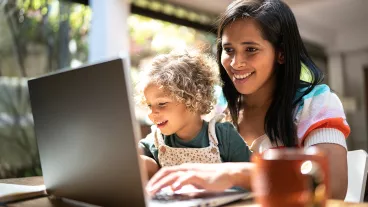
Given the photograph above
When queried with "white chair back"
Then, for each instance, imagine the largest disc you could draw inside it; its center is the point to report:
(357, 175)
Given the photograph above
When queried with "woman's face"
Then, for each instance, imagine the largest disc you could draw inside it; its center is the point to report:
(248, 58)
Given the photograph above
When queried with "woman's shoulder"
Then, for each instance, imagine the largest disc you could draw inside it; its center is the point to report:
(321, 97)
(320, 108)
(317, 91)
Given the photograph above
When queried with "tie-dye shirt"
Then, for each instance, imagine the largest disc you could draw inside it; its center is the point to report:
(319, 118)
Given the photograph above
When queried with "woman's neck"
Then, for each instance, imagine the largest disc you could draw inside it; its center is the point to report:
(191, 129)
(262, 98)
(254, 110)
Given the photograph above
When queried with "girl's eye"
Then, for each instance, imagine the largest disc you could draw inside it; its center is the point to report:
(251, 49)
(149, 106)
(162, 104)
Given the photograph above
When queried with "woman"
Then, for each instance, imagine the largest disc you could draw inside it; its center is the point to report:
(260, 55)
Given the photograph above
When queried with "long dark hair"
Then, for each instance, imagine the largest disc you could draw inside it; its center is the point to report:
(279, 27)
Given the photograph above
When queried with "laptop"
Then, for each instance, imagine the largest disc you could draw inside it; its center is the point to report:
(87, 137)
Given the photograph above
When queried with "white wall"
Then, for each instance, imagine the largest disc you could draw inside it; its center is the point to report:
(335, 73)
(315, 33)
(351, 40)
(355, 87)
(109, 35)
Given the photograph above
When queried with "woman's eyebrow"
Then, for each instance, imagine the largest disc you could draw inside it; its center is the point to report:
(242, 43)
(249, 43)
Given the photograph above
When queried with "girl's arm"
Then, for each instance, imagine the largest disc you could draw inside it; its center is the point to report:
(146, 155)
(150, 165)
(212, 177)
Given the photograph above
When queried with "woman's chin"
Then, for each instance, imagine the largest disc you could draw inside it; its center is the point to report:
(245, 91)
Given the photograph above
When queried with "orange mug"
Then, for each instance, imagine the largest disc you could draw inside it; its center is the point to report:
(290, 177)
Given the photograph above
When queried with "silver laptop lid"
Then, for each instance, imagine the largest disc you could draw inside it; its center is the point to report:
(87, 134)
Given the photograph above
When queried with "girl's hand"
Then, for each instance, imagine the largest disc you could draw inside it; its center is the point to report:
(211, 177)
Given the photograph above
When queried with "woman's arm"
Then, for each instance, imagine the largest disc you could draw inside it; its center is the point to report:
(331, 142)
(337, 160)
(321, 122)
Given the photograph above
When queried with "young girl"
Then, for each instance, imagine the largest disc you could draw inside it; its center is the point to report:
(178, 88)
(260, 54)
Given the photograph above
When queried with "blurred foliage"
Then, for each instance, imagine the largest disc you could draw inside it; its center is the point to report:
(40, 36)
(60, 29)
(36, 37)
(175, 11)
(150, 37)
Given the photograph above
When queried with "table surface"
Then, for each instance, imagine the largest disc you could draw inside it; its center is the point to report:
(44, 201)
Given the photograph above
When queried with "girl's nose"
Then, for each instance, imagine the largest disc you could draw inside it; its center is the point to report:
(153, 113)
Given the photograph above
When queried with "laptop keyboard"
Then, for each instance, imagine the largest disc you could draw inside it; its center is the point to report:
(163, 196)
(167, 197)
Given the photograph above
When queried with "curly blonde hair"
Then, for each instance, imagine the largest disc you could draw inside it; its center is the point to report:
(189, 76)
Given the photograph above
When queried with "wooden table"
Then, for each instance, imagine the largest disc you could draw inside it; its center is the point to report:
(46, 202)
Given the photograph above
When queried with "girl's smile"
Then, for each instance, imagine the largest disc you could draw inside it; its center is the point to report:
(170, 115)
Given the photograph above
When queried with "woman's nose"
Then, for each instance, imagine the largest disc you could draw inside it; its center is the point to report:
(238, 62)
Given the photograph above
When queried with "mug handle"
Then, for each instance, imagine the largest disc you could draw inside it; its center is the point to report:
(317, 181)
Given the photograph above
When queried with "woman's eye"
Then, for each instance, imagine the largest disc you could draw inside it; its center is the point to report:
(149, 106)
(252, 49)
(228, 50)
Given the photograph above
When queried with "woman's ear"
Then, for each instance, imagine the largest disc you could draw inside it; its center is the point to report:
(280, 57)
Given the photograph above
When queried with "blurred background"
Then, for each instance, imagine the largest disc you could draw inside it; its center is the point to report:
(42, 36)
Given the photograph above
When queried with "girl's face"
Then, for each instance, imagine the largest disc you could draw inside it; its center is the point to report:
(248, 58)
(169, 115)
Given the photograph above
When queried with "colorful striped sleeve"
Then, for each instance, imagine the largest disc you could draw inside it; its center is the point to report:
(321, 111)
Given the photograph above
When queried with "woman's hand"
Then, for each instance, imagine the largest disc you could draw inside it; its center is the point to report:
(150, 165)
(211, 177)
